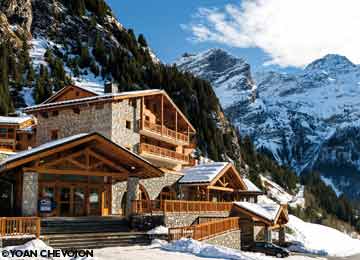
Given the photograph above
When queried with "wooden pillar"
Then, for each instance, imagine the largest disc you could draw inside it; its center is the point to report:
(188, 134)
(207, 194)
(176, 123)
(142, 112)
(282, 235)
(162, 114)
(267, 234)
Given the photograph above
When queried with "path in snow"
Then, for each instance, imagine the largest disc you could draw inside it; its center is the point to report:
(355, 257)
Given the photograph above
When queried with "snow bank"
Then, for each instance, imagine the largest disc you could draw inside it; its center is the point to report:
(160, 230)
(204, 250)
(319, 239)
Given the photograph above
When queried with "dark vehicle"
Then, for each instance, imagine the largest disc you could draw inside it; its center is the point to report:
(269, 249)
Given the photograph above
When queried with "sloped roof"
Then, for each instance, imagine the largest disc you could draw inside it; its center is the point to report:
(106, 97)
(117, 153)
(267, 211)
(251, 186)
(203, 173)
(14, 120)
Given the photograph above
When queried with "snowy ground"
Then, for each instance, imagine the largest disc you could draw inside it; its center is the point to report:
(321, 240)
(180, 250)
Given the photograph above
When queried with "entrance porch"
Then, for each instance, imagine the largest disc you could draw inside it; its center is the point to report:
(72, 177)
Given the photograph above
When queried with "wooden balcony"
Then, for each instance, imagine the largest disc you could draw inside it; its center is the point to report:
(163, 153)
(19, 226)
(166, 132)
(205, 230)
(174, 206)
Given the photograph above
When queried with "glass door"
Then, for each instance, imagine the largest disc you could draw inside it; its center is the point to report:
(95, 201)
(79, 201)
(65, 202)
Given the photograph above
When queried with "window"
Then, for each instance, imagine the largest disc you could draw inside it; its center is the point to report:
(3, 132)
(99, 106)
(77, 93)
(76, 110)
(55, 113)
(54, 134)
(128, 124)
(44, 114)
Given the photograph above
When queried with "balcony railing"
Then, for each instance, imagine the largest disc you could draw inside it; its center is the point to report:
(163, 152)
(19, 226)
(173, 206)
(164, 131)
(205, 230)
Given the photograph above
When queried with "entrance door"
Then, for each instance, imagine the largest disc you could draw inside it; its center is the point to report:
(95, 201)
(6, 198)
(65, 202)
(79, 202)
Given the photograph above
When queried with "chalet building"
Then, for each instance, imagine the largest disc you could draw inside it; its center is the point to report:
(17, 133)
(101, 153)
(217, 182)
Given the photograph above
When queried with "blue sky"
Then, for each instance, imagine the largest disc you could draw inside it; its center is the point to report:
(160, 21)
(280, 33)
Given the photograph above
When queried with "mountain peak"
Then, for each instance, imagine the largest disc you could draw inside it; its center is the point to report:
(331, 62)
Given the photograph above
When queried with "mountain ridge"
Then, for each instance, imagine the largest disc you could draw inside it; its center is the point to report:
(305, 120)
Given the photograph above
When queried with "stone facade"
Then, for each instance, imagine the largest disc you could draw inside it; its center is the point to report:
(30, 194)
(109, 119)
(132, 193)
(118, 191)
(187, 219)
(231, 240)
(68, 122)
(152, 186)
(127, 111)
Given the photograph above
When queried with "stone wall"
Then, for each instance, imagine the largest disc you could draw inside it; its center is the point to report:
(187, 219)
(153, 187)
(108, 119)
(30, 194)
(68, 122)
(230, 240)
(123, 111)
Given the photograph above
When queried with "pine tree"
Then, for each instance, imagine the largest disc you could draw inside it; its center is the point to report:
(142, 41)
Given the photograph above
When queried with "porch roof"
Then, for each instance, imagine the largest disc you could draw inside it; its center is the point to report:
(203, 173)
(269, 212)
(115, 154)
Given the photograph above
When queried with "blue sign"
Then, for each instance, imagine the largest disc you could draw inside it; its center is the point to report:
(45, 205)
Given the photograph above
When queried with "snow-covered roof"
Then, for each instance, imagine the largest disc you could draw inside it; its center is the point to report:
(202, 173)
(251, 186)
(268, 211)
(14, 120)
(99, 97)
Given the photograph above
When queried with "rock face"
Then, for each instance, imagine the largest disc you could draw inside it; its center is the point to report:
(18, 12)
(308, 120)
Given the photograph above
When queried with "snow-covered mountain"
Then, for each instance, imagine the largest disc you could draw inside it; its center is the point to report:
(308, 120)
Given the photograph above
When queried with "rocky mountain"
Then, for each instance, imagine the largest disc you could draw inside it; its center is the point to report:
(47, 44)
(308, 120)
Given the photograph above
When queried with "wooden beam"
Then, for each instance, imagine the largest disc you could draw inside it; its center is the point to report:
(107, 162)
(49, 152)
(220, 188)
(142, 112)
(42, 170)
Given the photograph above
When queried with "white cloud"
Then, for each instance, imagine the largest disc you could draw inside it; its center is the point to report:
(291, 32)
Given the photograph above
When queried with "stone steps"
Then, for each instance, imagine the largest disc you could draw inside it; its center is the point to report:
(97, 240)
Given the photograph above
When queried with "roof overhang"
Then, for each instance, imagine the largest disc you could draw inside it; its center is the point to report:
(132, 164)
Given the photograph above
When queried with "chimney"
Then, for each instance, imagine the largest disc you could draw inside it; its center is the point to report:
(111, 88)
